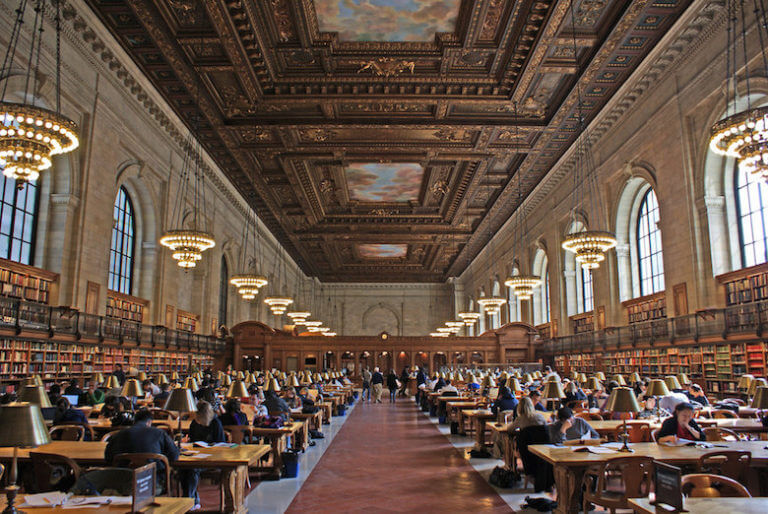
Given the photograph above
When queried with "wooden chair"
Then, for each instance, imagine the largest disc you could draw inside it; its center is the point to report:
(724, 414)
(635, 474)
(67, 432)
(705, 423)
(654, 435)
(738, 401)
(162, 414)
(578, 405)
(106, 436)
(720, 434)
(589, 416)
(54, 472)
(237, 433)
(730, 463)
(2, 470)
(136, 460)
(638, 432)
(700, 485)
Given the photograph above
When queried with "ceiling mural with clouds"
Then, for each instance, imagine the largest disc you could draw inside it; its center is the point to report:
(384, 182)
(387, 20)
(382, 251)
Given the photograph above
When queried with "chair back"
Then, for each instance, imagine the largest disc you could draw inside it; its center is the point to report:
(162, 414)
(237, 433)
(67, 432)
(108, 435)
(578, 405)
(54, 472)
(724, 414)
(637, 431)
(634, 472)
(589, 416)
(2, 470)
(701, 485)
(136, 460)
(720, 434)
(503, 415)
(730, 463)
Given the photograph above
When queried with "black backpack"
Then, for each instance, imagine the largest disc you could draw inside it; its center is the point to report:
(502, 477)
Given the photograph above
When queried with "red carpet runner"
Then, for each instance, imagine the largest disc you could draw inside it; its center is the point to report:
(393, 459)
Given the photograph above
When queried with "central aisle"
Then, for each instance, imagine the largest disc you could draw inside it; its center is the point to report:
(391, 458)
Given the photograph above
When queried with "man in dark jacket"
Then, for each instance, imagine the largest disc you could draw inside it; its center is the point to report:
(505, 401)
(142, 437)
(276, 405)
(118, 372)
(421, 379)
(377, 384)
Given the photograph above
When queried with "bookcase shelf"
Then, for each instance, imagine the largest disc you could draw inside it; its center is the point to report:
(186, 321)
(27, 282)
(584, 322)
(126, 307)
(646, 308)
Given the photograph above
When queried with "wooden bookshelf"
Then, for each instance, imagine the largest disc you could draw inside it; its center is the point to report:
(547, 330)
(584, 322)
(28, 283)
(54, 360)
(126, 307)
(186, 321)
(745, 285)
(646, 308)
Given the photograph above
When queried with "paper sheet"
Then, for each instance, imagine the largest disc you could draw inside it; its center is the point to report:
(200, 455)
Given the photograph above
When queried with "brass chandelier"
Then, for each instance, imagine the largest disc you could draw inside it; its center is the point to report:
(743, 135)
(31, 135)
(522, 286)
(279, 303)
(469, 318)
(492, 306)
(250, 281)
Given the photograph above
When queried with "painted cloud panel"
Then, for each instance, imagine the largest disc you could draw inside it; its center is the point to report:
(382, 251)
(379, 182)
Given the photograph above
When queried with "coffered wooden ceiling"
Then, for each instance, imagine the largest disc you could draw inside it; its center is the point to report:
(386, 160)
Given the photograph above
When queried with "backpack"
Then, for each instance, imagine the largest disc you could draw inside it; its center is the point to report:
(501, 477)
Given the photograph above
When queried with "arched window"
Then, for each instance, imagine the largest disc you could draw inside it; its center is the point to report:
(545, 298)
(752, 212)
(122, 247)
(649, 255)
(587, 295)
(540, 299)
(223, 291)
(18, 220)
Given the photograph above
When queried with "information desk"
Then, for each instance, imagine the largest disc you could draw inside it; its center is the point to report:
(233, 463)
(165, 505)
(569, 466)
(708, 505)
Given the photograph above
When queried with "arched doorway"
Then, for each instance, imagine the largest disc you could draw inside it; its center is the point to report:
(403, 361)
(348, 361)
(477, 358)
(329, 360)
(385, 362)
(422, 359)
(458, 358)
(440, 360)
(366, 361)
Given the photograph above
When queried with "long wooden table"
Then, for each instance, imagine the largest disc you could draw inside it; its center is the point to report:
(708, 505)
(569, 466)
(743, 425)
(276, 438)
(162, 505)
(479, 418)
(233, 463)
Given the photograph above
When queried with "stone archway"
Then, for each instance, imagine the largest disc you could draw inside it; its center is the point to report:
(381, 318)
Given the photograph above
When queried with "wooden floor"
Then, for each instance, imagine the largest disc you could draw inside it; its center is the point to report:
(391, 458)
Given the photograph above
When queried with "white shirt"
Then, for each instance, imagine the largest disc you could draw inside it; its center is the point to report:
(671, 401)
(447, 388)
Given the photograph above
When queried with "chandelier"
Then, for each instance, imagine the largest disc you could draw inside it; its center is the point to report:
(248, 284)
(492, 306)
(439, 334)
(523, 285)
(469, 318)
(590, 247)
(455, 326)
(278, 304)
(444, 330)
(31, 135)
(299, 317)
(330, 334)
(743, 135)
(310, 324)
(187, 245)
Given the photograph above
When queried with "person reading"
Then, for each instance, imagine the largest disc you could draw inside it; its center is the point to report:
(680, 427)
(570, 428)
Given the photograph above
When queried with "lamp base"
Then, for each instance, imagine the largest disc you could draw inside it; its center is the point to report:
(10, 493)
(625, 449)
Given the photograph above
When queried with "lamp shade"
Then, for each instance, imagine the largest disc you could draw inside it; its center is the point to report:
(272, 385)
(514, 385)
(35, 395)
(527, 378)
(619, 379)
(600, 376)
(293, 381)
(181, 400)
(240, 375)
(191, 384)
(97, 378)
(657, 387)
(34, 380)
(237, 390)
(175, 375)
(537, 375)
(758, 382)
(594, 384)
(132, 388)
(672, 382)
(22, 424)
(745, 381)
(162, 379)
(582, 378)
(622, 399)
(142, 376)
(553, 391)
(683, 379)
(635, 377)
(488, 381)
(760, 401)
(553, 378)
(226, 380)
(112, 382)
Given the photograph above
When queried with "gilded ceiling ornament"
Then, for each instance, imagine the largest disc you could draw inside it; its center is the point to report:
(453, 134)
(439, 187)
(317, 135)
(253, 135)
(492, 18)
(588, 12)
(382, 107)
(283, 20)
(387, 66)
(383, 212)
(512, 135)
(326, 185)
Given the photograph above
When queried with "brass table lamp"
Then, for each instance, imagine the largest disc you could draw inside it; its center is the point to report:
(21, 425)
(672, 382)
(553, 391)
(623, 399)
(237, 390)
(657, 388)
(35, 395)
(181, 400)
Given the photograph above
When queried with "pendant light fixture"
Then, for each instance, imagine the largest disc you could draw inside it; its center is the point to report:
(590, 246)
(278, 303)
(250, 280)
(298, 317)
(492, 305)
(30, 135)
(743, 135)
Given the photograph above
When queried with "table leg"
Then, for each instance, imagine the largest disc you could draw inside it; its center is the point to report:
(462, 430)
(277, 458)
(568, 481)
(233, 488)
(480, 436)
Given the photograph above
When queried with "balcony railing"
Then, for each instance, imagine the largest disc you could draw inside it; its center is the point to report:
(22, 315)
(751, 318)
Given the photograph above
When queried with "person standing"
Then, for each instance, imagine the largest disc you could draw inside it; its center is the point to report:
(421, 380)
(392, 385)
(377, 383)
(119, 373)
(367, 383)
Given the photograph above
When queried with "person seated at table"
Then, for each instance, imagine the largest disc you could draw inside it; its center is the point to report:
(549, 373)
(142, 437)
(649, 410)
(505, 401)
(291, 399)
(672, 400)
(439, 384)
(696, 394)
(65, 414)
(526, 415)
(208, 394)
(448, 388)
(680, 426)
(93, 396)
(570, 428)
(535, 396)
(162, 396)
(276, 406)
(573, 393)
(112, 406)
(72, 389)
(307, 403)
(54, 393)
(473, 386)
(206, 426)
(233, 413)
(608, 389)
(640, 389)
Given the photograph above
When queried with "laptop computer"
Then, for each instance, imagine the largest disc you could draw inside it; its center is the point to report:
(74, 399)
